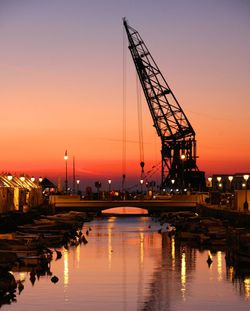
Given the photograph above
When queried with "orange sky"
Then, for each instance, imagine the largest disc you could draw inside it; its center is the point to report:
(61, 83)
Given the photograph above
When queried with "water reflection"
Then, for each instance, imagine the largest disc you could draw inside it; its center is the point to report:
(66, 268)
(240, 280)
(126, 211)
(128, 265)
(183, 274)
(247, 288)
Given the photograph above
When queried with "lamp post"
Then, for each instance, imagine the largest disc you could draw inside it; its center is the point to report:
(77, 185)
(230, 178)
(40, 179)
(141, 182)
(183, 158)
(66, 171)
(245, 205)
(219, 182)
(109, 190)
(32, 179)
(109, 182)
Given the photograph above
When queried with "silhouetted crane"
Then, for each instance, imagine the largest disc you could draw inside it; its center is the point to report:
(179, 169)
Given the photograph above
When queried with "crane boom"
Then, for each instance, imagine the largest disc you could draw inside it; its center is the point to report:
(172, 125)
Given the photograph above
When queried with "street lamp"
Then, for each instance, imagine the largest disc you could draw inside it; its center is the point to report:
(66, 171)
(183, 158)
(32, 179)
(109, 182)
(109, 191)
(77, 185)
(22, 178)
(230, 178)
(245, 205)
(219, 181)
(141, 182)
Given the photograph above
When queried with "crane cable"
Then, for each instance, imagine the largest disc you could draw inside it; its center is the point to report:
(140, 127)
(124, 119)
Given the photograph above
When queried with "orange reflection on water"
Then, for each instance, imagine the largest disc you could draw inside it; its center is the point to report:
(183, 275)
(247, 288)
(173, 252)
(142, 247)
(219, 265)
(66, 268)
(126, 210)
(109, 245)
(78, 255)
(231, 273)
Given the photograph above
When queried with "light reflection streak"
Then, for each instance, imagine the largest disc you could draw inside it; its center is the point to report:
(66, 268)
(78, 256)
(173, 252)
(231, 273)
(183, 275)
(109, 246)
(21, 276)
(141, 247)
(219, 266)
(247, 288)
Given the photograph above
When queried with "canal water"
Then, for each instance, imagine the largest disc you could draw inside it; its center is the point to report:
(127, 265)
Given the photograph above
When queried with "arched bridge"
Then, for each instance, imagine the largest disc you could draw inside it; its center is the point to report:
(97, 206)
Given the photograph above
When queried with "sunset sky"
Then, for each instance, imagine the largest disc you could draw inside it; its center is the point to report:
(61, 83)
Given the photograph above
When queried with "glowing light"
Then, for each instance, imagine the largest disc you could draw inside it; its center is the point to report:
(247, 288)
(10, 177)
(231, 273)
(142, 247)
(110, 251)
(183, 157)
(78, 255)
(21, 276)
(219, 266)
(173, 252)
(183, 275)
(66, 268)
(246, 177)
(218, 179)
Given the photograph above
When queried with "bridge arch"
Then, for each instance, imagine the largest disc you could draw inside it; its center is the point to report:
(129, 210)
